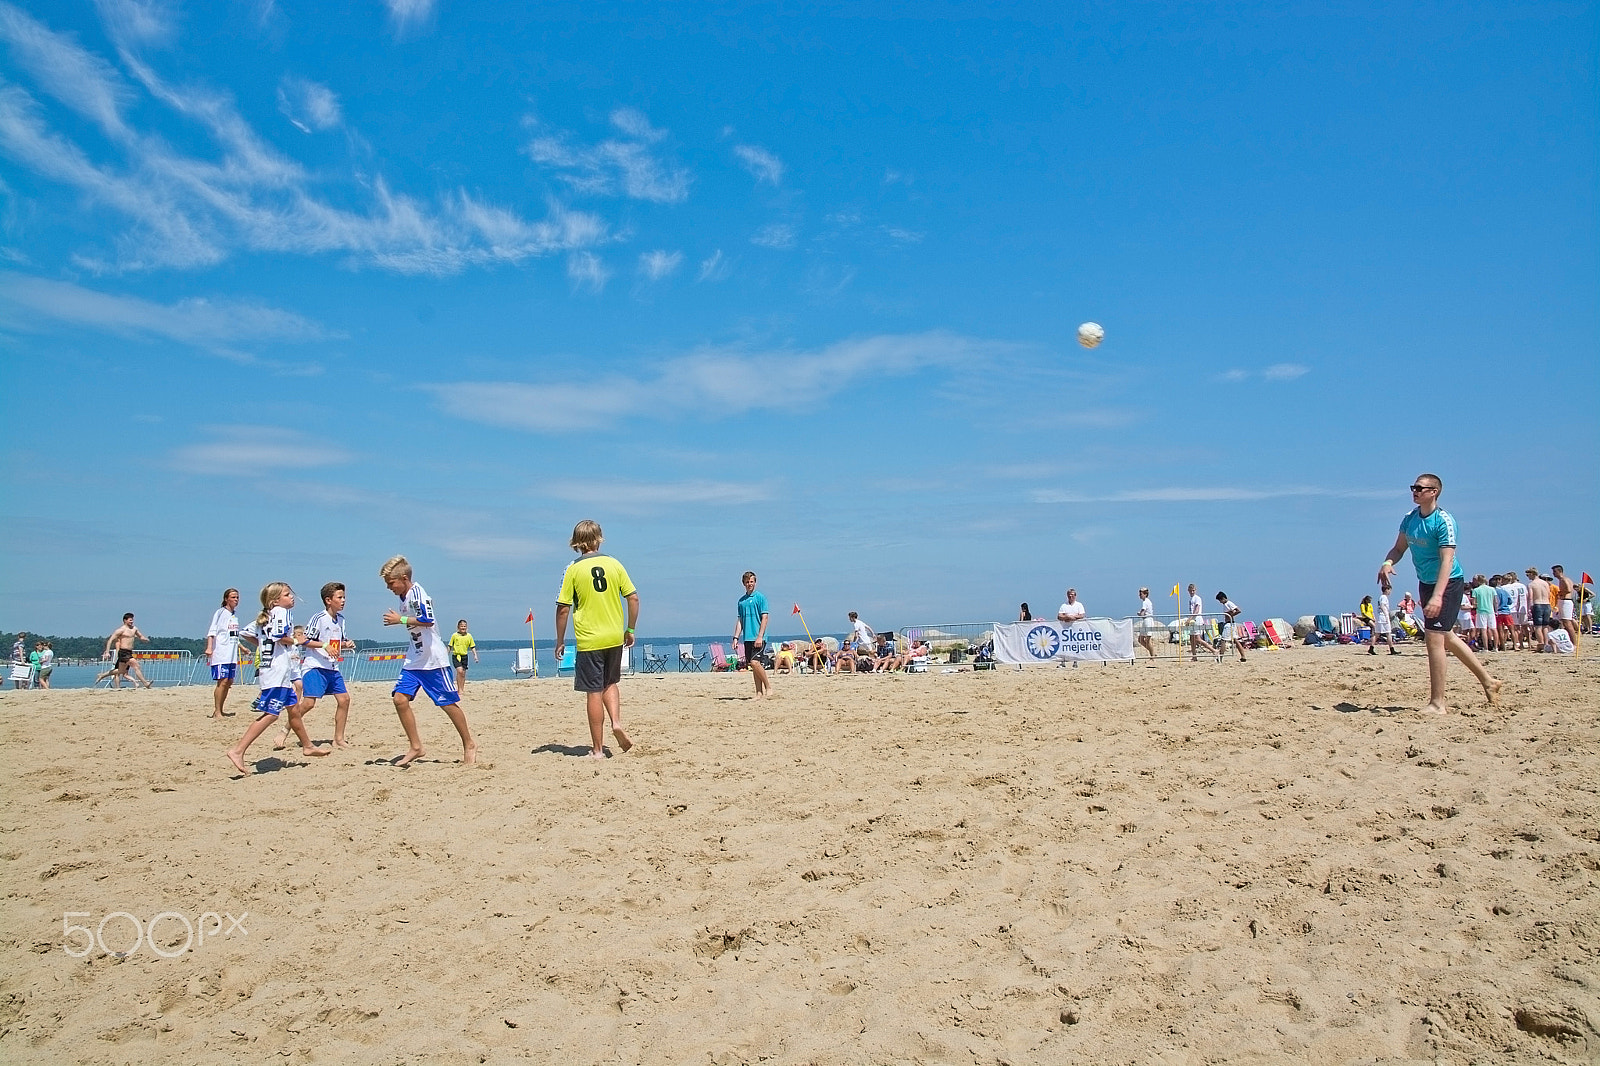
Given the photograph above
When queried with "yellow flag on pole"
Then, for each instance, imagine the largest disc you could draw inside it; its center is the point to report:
(1174, 590)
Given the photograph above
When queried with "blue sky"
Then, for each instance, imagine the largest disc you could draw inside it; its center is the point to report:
(285, 289)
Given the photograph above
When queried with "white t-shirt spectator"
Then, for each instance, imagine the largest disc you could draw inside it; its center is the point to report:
(1197, 616)
(861, 634)
(224, 633)
(1072, 612)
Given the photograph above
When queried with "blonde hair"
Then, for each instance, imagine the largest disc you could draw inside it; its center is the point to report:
(271, 593)
(394, 568)
(586, 536)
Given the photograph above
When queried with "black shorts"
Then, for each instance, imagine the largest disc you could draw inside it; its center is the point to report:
(596, 671)
(1447, 613)
(460, 661)
(1541, 614)
(752, 652)
(125, 655)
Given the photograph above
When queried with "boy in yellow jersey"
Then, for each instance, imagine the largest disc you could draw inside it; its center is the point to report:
(461, 642)
(592, 592)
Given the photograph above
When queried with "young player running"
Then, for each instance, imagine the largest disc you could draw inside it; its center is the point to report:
(426, 666)
(274, 631)
(320, 662)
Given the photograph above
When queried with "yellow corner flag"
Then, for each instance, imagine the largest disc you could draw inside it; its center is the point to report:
(1174, 590)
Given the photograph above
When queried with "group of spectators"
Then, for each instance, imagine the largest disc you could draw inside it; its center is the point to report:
(31, 669)
(1544, 614)
(863, 651)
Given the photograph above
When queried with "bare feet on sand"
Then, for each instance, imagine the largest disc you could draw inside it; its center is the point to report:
(409, 757)
(341, 744)
(1435, 708)
(596, 755)
(470, 756)
(316, 751)
(238, 762)
(623, 743)
(281, 743)
(1491, 691)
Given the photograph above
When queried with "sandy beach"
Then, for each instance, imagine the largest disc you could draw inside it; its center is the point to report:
(1224, 863)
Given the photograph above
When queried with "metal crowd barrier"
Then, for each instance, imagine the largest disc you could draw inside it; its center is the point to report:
(374, 664)
(159, 667)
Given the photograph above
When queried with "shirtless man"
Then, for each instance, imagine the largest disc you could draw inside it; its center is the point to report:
(122, 638)
(1538, 608)
(1565, 607)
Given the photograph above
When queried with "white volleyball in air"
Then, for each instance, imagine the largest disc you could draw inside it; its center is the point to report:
(1090, 334)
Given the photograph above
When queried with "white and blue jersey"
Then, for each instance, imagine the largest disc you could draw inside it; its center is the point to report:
(424, 648)
(277, 664)
(327, 629)
(1425, 536)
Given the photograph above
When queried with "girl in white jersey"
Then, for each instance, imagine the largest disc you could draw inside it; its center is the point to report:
(275, 629)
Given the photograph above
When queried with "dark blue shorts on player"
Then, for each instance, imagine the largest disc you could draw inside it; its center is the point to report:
(1449, 611)
(440, 685)
(319, 681)
(274, 700)
(596, 671)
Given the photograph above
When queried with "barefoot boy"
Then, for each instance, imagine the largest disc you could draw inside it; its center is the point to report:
(1430, 532)
(427, 663)
(592, 591)
(750, 623)
(320, 661)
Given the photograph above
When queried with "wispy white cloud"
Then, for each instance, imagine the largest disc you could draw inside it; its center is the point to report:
(484, 548)
(311, 107)
(713, 267)
(636, 124)
(409, 12)
(659, 264)
(137, 22)
(1275, 372)
(720, 381)
(762, 164)
(215, 325)
(774, 235)
(186, 210)
(627, 165)
(235, 448)
(641, 495)
(587, 271)
(1196, 494)
(902, 236)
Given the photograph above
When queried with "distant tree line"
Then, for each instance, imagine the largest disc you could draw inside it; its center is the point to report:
(91, 647)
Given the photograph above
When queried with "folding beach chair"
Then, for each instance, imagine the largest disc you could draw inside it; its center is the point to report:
(569, 660)
(523, 667)
(653, 663)
(719, 658)
(688, 660)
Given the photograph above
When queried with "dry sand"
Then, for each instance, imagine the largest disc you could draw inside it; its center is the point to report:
(1256, 863)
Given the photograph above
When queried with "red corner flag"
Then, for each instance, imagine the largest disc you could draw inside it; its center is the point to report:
(1587, 580)
(797, 606)
(529, 618)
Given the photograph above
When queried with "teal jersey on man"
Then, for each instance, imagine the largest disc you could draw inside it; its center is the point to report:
(1426, 536)
(752, 605)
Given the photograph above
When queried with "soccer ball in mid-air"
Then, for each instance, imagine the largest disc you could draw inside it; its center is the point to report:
(1090, 334)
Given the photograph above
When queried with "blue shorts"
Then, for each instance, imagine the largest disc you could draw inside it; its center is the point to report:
(320, 681)
(273, 700)
(224, 671)
(440, 685)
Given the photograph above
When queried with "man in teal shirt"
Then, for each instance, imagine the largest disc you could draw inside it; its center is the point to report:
(1430, 533)
(751, 624)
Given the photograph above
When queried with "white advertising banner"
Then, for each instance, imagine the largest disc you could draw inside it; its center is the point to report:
(1093, 639)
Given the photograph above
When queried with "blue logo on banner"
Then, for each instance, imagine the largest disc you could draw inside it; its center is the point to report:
(1043, 643)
